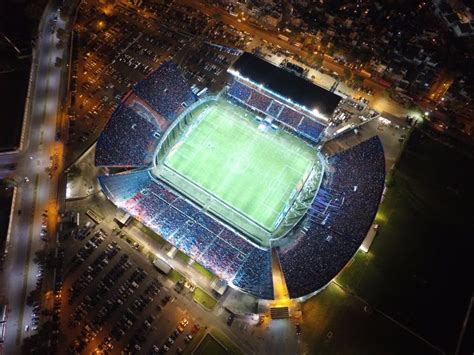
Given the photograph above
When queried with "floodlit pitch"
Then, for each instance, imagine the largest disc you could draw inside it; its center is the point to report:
(252, 171)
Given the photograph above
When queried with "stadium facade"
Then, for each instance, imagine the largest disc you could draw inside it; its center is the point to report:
(315, 215)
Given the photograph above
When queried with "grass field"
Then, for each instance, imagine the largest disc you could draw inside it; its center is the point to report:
(183, 257)
(335, 323)
(254, 172)
(176, 276)
(203, 271)
(210, 346)
(204, 299)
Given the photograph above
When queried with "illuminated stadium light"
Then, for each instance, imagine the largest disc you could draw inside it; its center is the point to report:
(286, 99)
(316, 113)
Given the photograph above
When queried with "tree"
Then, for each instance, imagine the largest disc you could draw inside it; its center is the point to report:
(60, 44)
(217, 17)
(63, 15)
(324, 41)
(358, 79)
(7, 183)
(62, 35)
(58, 62)
(347, 74)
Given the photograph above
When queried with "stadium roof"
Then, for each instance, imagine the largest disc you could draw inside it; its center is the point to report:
(286, 84)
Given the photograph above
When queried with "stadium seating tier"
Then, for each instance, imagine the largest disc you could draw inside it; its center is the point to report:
(191, 230)
(166, 91)
(338, 219)
(128, 140)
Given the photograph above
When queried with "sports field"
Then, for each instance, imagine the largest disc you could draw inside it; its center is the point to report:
(254, 172)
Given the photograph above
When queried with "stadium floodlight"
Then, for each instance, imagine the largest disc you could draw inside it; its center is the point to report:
(234, 72)
(315, 112)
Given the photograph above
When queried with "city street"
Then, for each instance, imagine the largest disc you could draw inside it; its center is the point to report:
(36, 192)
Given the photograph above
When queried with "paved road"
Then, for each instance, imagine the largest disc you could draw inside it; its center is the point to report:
(36, 191)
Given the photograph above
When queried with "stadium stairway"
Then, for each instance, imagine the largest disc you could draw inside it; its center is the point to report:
(279, 284)
(279, 312)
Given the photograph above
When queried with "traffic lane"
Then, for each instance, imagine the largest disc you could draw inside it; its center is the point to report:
(16, 269)
(20, 259)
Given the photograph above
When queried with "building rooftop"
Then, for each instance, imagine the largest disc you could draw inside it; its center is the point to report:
(297, 89)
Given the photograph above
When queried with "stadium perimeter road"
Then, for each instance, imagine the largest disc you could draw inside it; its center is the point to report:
(36, 192)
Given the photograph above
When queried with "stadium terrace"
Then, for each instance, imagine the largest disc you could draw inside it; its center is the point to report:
(233, 177)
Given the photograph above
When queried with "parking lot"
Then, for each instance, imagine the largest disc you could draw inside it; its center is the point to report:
(114, 299)
(114, 304)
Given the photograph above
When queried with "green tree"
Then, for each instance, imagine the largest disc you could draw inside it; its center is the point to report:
(347, 74)
(358, 79)
(318, 62)
(330, 51)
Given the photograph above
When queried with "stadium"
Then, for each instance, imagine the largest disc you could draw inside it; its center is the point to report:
(239, 180)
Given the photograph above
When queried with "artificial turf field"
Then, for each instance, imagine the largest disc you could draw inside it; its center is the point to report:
(254, 172)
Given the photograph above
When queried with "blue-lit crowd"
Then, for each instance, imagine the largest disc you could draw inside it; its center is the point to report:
(166, 91)
(255, 100)
(131, 136)
(191, 230)
(259, 101)
(127, 140)
(338, 219)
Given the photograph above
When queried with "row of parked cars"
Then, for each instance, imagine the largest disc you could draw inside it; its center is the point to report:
(170, 341)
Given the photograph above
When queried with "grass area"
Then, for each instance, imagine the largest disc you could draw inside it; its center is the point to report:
(336, 323)
(183, 257)
(210, 346)
(176, 276)
(255, 172)
(415, 270)
(231, 347)
(204, 299)
(203, 271)
(149, 232)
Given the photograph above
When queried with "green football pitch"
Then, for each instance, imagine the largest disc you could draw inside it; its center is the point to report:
(254, 172)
